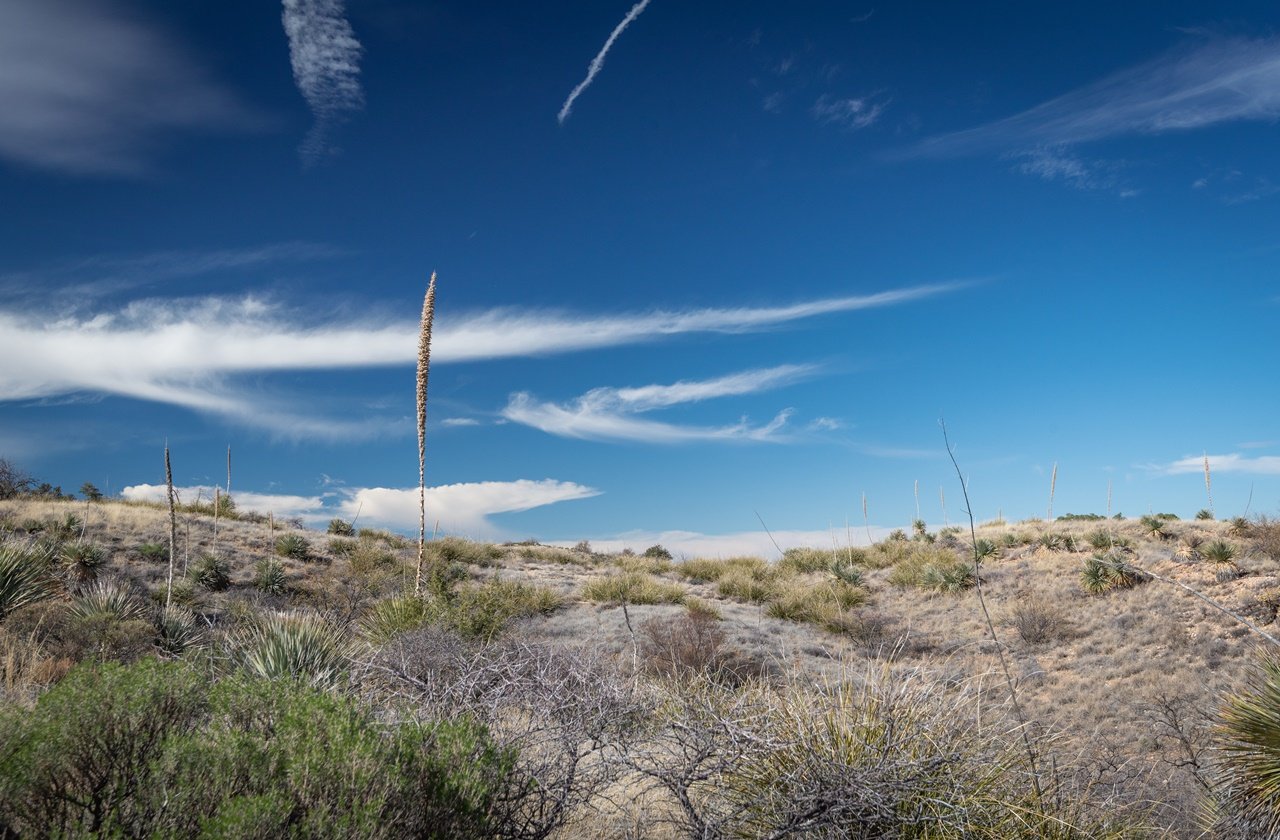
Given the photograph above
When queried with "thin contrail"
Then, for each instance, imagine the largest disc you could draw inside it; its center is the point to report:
(596, 63)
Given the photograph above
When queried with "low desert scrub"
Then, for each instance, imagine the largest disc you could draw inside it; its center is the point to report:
(691, 645)
(153, 551)
(393, 540)
(632, 588)
(369, 559)
(1264, 537)
(552, 554)
(698, 607)
(1038, 619)
(341, 528)
(888, 553)
(473, 612)
(892, 754)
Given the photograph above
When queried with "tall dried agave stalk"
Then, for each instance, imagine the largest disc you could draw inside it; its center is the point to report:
(217, 504)
(917, 492)
(228, 469)
(424, 366)
(173, 524)
(942, 497)
(1208, 484)
(1053, 485)
(865, 520)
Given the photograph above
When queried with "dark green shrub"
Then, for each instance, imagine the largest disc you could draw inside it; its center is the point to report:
(153, 551)
(1204, 513)
(152, 750)
(658, 552)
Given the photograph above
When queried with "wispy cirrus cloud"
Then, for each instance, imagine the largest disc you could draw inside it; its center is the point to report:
(597, 63)
(460, 508)
(850, 113)
(183, 351)
(610, 413)
(1229, 463)
(1217, 80)
(87, 90)
(325, 57)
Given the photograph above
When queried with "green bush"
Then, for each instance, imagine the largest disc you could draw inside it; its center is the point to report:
(658, 552)
(153, 551)
(152, 750)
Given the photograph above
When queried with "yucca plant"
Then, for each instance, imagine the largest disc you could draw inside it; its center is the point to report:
(299, 646)
(269, 577)
(108, 599)
(153, 551)
(1093, 578)
(948, 579)
(1248, 735)
(1219, 551)
(393, 616)
(1240, 526)
(178, 631)
(845, 571)
(293, 545)
(24, 576)
(1103, 572)
(1154, 526)
(211, 572)
(66, 526)
(984, 549)
(82, 560)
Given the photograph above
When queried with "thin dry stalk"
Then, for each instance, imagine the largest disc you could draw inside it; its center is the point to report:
(986, 614)
(1208, 484)
(865, 520)
(1053, 485)
(942, 497)
(917, 494)
(217, 503)
(1108, 498)
(173, 524)
(424, 366)
(228, 469)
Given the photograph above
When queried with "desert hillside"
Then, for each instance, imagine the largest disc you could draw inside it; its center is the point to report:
(642, 694)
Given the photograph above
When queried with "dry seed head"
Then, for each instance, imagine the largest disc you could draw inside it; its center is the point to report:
(424, 367)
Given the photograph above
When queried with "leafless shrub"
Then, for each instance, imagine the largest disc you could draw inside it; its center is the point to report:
(1264, 537)
(1037, 619)
(564, 711)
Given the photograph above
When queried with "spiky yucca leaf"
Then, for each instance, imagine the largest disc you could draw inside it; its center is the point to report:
(270, 577)
(178, 631)
(83, 560)
(110, 599)
(1249, 735)
(299, 646)
(1219, 551)
(1093, 578)
(24, 576)
(212, 572)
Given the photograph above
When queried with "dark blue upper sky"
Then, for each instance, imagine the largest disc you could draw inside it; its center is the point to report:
(696, 261)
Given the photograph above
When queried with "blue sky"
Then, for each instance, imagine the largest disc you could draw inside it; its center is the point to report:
(699, 265)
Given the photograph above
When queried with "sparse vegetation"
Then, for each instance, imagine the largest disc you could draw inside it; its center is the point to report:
(295, 546)
(632, 588)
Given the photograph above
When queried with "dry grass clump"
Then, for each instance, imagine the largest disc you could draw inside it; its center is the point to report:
(447, 550)
(756, 585)
(888, 553)
(632, 588)
(934, 569)
(810, 560)
(708, 569)
(824, 605)
(643, 564)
